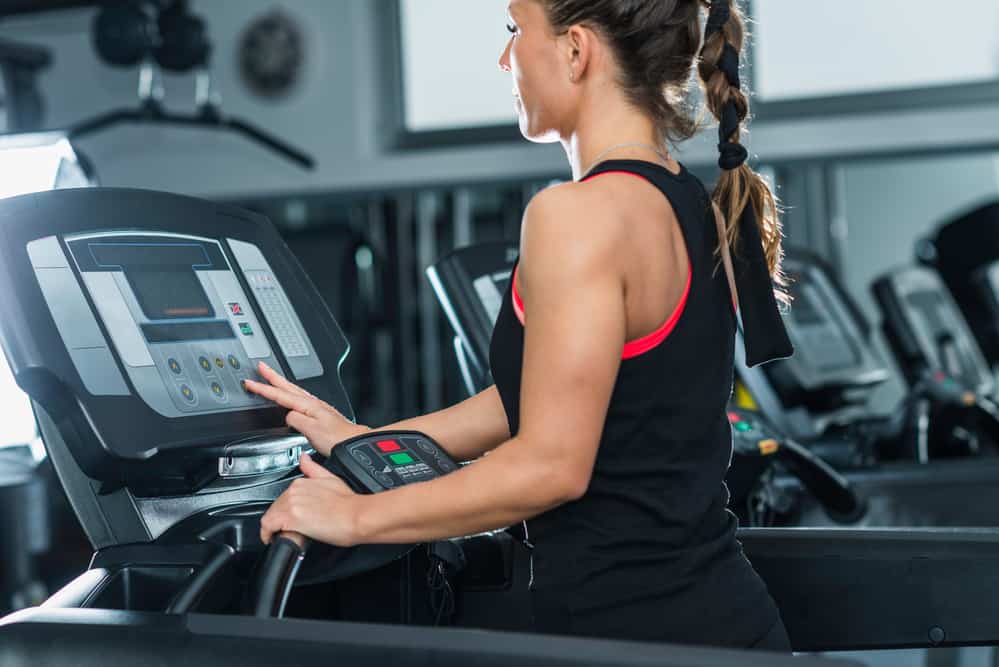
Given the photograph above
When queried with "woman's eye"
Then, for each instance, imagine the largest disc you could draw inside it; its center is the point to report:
(511, 29)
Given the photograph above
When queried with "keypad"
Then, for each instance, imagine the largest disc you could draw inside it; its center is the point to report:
(272, 302)
(215, 381)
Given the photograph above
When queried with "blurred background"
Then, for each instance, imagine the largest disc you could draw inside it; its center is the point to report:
(379, 135)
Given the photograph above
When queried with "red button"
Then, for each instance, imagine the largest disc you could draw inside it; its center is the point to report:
(734, 417)
(388, 446)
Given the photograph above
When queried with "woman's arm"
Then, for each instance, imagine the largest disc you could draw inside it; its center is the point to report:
(572, 285)
(573, 295)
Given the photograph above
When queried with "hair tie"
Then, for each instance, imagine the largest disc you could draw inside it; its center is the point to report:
(733, 156)
(728, 64)
(718, 16)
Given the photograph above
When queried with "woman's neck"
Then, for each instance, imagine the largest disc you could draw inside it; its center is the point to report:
(618, 136)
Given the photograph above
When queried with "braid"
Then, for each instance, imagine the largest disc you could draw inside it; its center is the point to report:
(739, 186)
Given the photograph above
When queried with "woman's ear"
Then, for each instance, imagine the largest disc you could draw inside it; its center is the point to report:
(579, 45)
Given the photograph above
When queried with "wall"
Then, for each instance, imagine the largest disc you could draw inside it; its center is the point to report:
(342, 110)
(802, 51)
(892, 204)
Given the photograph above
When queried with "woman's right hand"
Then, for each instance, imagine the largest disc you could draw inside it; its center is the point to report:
(317, 420)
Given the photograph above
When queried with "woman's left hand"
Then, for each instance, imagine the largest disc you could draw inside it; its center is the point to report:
(320, 506)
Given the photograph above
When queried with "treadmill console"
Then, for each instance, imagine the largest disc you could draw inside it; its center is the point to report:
(965, 252)
(834, 369)
(383, 460)
(927, 331)
(827, 332)
(176, 315)
(470, 284)
(131, 319)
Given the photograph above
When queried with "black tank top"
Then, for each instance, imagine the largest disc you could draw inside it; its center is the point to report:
(649, 552)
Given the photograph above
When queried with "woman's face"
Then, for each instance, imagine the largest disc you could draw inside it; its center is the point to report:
(540, 72)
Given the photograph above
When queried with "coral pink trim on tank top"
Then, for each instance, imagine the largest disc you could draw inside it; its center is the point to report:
(518, 303)
(641, 345)
(623, 173)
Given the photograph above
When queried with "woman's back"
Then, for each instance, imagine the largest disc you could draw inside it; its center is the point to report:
(649, 552)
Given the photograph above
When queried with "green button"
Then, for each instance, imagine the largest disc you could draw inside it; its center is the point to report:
(401, 459)
(743, 427)
(245, 329)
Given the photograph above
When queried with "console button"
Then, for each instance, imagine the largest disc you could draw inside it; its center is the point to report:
(426, 446)
(446, 466)
(174, 366)
(187, 393)
(768, 447)
(218, 390)
(219, 363)
(388, 446)
(361, 456)
(384, 479)
(401, 459)
(234, 363)
(206, 365)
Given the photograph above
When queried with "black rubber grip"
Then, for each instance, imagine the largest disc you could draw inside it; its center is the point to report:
(276, 577)
(833, 491)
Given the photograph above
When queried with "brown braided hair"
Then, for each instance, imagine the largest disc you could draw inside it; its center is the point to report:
(656, 44)
(740, 187)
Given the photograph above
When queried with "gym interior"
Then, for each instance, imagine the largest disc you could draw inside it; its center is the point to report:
(341, 184)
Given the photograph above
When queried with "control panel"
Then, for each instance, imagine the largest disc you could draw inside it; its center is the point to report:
(751, 435)
(490, 289)
(175, 312)
(384, 460)
(818, 330)
(470, 284)
(927, 330)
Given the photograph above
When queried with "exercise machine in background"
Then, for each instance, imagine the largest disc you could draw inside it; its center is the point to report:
(164, 34)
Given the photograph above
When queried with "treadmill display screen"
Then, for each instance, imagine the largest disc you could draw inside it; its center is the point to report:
(161, 274)
(805, 311)
(931, 306)
(817, 329)
(168, 295)
(993, 279)
(937, 326)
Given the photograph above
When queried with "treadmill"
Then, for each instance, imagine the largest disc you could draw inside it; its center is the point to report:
(130, 318)
(965, 252)
(901, 462)
(940, 356)
(833, 373)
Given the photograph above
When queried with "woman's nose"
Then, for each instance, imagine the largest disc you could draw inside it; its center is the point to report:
(504, 61)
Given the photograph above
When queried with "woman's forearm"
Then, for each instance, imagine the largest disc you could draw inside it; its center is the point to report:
(466, 430)
(507, 486)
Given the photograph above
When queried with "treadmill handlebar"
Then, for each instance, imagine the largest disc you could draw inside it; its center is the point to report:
(833, 491)
(277, 574)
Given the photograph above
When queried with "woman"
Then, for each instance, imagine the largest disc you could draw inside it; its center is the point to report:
(612, 353)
